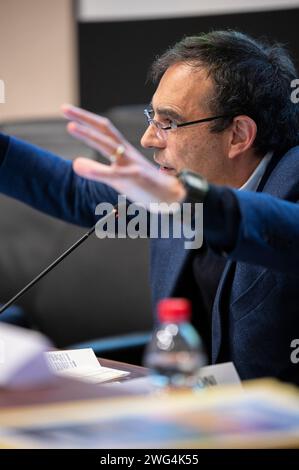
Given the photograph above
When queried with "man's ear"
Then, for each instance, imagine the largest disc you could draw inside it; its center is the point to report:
(242, 135)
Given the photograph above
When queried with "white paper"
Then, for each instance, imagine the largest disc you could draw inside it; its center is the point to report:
(209, 376)
(22, 362)
(219, 374)
(81, 364)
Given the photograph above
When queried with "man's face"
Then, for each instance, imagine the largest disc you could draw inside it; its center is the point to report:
(183, 95)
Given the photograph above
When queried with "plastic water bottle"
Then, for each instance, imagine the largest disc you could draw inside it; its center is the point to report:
(175, 353)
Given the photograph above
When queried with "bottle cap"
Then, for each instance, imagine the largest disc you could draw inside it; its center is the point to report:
(176, 310)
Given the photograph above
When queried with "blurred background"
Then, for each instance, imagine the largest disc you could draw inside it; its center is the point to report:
(95, 53)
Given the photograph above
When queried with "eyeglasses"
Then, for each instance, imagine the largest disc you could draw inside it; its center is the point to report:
(161, 129)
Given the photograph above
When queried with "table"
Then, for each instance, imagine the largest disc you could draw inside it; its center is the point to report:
(135, 371)
(64, 389)
(106, 417)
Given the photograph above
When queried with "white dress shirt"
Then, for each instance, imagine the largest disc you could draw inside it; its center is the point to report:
(254, 180)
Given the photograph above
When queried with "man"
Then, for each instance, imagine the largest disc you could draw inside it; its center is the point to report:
(212, 113)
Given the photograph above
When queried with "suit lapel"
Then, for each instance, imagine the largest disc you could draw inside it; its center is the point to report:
(217, 315)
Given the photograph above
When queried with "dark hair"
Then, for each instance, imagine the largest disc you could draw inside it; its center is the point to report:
(250, 77)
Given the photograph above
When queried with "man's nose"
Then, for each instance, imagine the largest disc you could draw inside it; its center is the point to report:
(150, 138)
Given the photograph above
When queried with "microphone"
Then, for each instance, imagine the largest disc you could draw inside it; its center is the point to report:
(57, 261)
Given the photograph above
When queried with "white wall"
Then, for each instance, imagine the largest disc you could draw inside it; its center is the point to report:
(105, 10)
(37, 57)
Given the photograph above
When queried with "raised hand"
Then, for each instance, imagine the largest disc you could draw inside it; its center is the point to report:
(129, 172)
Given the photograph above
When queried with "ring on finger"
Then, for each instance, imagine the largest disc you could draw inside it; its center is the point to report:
(119, 152)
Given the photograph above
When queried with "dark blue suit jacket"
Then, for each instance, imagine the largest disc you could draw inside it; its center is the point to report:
(256, 309)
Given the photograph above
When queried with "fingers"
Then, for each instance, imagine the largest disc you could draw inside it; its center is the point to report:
(106, 173)
(91, 169)
(96, 131)
(92, 120)
(99, 141)
(138, 184)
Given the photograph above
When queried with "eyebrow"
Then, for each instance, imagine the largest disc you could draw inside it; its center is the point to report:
(168, 112)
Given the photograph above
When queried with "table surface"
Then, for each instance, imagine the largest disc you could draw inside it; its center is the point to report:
(65, 389)
(135, 371)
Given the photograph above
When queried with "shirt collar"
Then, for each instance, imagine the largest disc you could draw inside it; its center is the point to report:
(254, 180)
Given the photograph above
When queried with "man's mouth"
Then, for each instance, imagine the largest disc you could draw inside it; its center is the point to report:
(167, 169)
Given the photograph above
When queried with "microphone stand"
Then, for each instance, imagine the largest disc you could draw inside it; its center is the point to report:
(57, 261)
